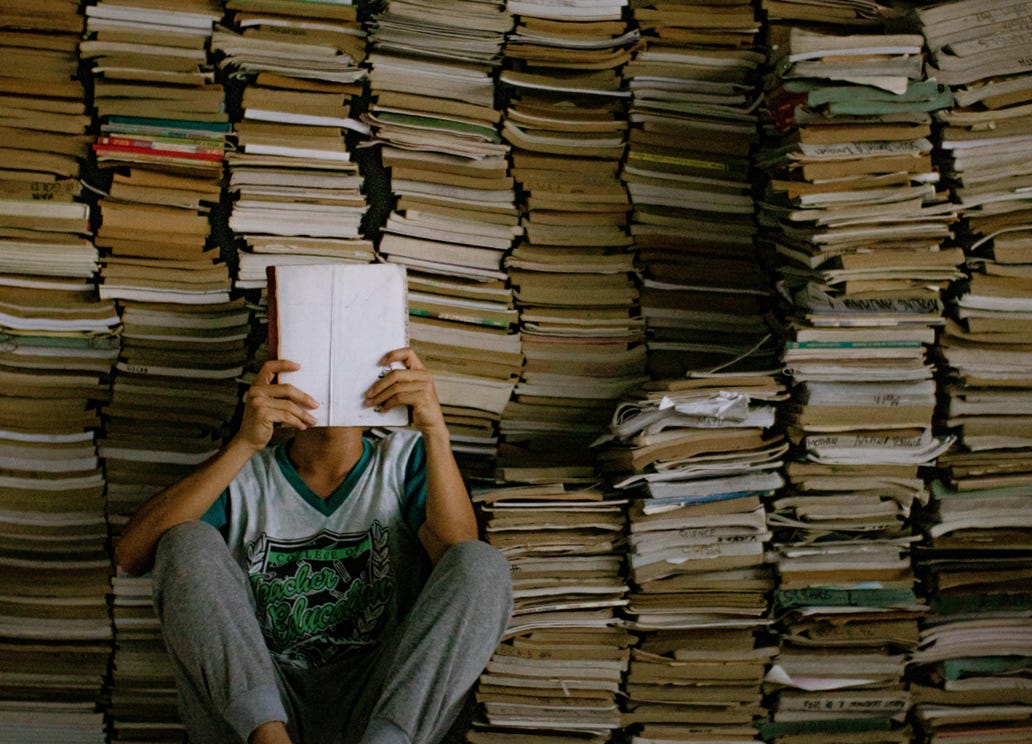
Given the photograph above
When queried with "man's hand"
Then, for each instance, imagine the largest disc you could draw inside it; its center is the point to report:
(265, 405)
(412, 386)
(268, 403)
(449, 513)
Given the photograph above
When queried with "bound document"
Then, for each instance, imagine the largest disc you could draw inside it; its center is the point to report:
(337, 321)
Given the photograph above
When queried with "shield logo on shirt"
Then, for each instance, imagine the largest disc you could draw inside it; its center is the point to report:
(319, 597)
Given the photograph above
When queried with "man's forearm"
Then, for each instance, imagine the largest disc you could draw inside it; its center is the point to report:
(184, 501)
(449, 513)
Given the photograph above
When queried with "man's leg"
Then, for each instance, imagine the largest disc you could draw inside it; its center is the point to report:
(227, 682)
(443, 645)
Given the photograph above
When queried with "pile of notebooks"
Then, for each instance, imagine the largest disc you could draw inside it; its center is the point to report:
(159, 150)
(292, 73)
(984, 140)
(849, 14)
(860, 224)
(435, 127)
(970, 672)
(557, 672)
(58, 342)
(985, 345)
(162, 126)
(698, 457)
(693, 124)
(572, 276)
(969, 676)
(296, 192)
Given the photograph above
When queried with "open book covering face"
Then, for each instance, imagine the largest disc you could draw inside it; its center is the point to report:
(337, 321)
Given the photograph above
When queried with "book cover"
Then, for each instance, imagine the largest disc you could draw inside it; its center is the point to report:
(337, 321)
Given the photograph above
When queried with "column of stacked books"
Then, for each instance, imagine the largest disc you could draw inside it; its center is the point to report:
(556, 674)
(859, 221)
(57, 345)
(292, 73)
(693, 124)
(697, 456)
(970, 675)
(453, 214)
(571, 275)
(159, 152)
(969, 678)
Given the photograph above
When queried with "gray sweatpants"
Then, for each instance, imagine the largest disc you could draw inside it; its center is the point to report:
(409, 689)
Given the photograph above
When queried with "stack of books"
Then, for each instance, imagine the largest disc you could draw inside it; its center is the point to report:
(985, 345)
(852, 191)
(44, 114)
(435, 125)
(143, 701)
(162, 128)
(857, 216)
(977, 557)
(162, 125)
(840, 13)
(852, 194)
(174, 394)
(572, 274)
(172, 411)
(968, 677)
(983, 140)
(294, 76)
(698, 456)
(567, 522)
(58, 343)
(960, 32)
(848, 619)
(693, 125)
(297, 193)
(558, 670)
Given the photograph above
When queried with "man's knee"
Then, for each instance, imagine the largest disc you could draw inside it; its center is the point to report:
(184, 554)
(185, 541)
(483, 573)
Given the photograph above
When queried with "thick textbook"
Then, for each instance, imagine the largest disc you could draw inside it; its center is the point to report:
(337, 321)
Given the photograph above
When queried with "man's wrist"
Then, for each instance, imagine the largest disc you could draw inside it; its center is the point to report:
(241, 447)
(436, 433)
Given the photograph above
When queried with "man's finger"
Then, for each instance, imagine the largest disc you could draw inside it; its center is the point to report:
(406, 356)
(281, 392)
(283, 411)
(273, 367)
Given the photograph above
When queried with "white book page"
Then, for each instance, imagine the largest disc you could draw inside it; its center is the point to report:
(369, 315)
(303, 320)
(337, 322)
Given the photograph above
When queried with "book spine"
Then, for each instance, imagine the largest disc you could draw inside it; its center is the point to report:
(172, 144)
(657, 502)
(855, 704)
(273, 322)
(786, 599)
(773, 730)
(472, 319)
(863, 441)
(801, 345)
(171, 124)
(102, 149)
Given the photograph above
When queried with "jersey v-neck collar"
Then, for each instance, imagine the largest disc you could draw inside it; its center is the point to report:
(340, 494)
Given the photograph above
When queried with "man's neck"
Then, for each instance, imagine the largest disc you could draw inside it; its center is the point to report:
(324, 456)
